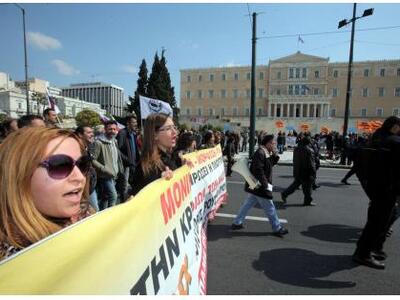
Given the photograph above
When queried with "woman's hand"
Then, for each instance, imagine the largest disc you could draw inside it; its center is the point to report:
(188, 162)
(167, 174)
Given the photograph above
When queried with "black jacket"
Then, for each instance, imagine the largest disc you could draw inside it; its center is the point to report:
(303, 162)
(139, 180)
(261, 168)
(124, 146)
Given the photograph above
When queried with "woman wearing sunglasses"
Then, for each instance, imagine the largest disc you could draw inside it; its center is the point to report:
(43, 186)
(159, 139)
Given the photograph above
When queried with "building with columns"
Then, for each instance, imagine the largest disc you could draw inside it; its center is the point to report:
(295, 89)
(109, 96)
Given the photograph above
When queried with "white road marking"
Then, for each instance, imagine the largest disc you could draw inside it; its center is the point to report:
(249, 218)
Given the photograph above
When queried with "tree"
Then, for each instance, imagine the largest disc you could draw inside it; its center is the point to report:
(40, 99)
(159, 84)
(134, 103)
(87, 118)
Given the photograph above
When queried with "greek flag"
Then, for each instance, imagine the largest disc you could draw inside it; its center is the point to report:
(150, 106)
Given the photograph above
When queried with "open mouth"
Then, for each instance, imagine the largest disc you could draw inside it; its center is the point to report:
(75, 192)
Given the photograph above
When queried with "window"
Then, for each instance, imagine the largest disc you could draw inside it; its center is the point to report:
(296, 89)
(291, 70)
(223, 93)
(366, 72)
(199, 111)
(316, 74)
(297, 72)
(278, 92)
(382, 73)
(211, 112)
(248, 93)
(396, 112)
(379, 112)
(260, 93)
(290, 90)
(316, 91)
(261, 76)
(247, 111)
(303, 89)
(199, 94)
(189, 79)
(188, 94)
(248, 76)
(335, 73)
(235, 93)
(210, 93)
(200, 78)
(334, 92)
(278, 75)
(188, 111)
(365, 92)
(222, 111)
(304, 73)
(236, 76)
(363, 112)
(333, 112)
(235, 111)
(398, 72)
(223, 77)
(397, 92)
(211, 77)
(381, 92)
(260, 111)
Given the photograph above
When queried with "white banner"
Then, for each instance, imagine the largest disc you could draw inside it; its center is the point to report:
(150, 106)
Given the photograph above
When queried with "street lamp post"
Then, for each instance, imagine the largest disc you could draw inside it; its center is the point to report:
(26, 59)
(342, 23)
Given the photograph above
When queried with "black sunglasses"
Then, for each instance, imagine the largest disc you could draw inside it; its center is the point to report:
(59, 166)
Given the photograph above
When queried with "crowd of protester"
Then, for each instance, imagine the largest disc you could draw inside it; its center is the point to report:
(60, 176)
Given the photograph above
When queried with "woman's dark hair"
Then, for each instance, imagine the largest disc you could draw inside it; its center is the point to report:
(266, 139)
(185, 140)
(207, 137)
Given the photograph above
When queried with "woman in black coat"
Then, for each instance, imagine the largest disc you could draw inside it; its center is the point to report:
(157, 159)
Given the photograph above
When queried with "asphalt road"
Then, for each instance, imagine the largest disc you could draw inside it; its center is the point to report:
(314, 258)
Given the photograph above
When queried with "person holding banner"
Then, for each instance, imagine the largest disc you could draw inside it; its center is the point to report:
(46, 187)
(261, 167)
(159, 139)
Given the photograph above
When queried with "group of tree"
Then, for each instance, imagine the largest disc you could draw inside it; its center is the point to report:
(156, 86)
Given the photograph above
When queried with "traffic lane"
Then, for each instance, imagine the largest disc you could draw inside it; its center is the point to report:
(320, 237)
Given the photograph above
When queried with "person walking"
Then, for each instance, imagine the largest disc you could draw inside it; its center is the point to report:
(261, 166)
(107, 161)
(304, 171)
(382, 185)
(127, 140)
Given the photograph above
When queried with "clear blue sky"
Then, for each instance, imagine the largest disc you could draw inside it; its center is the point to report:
(71, 43)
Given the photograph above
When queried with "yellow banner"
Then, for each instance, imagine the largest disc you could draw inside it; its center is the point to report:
(153, 244)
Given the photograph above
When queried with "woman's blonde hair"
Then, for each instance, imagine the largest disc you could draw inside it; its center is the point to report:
(150, 157)
(21, 224)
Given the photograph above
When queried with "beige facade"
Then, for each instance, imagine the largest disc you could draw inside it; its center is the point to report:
(295, 89)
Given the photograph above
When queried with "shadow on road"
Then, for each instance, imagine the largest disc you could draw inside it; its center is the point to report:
(332, 184)
(216, 232)
(304, 268)
(334, 233)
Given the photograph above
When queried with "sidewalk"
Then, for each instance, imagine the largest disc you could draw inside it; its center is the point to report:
(286, 159)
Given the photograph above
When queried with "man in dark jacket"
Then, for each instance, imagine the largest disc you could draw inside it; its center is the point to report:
(303, 171)
(128, 145)
(229, 152)
(261, 167)
(381, 182)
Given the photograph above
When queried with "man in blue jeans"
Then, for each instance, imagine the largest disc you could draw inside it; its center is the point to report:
(261, 167)
(107, 161)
